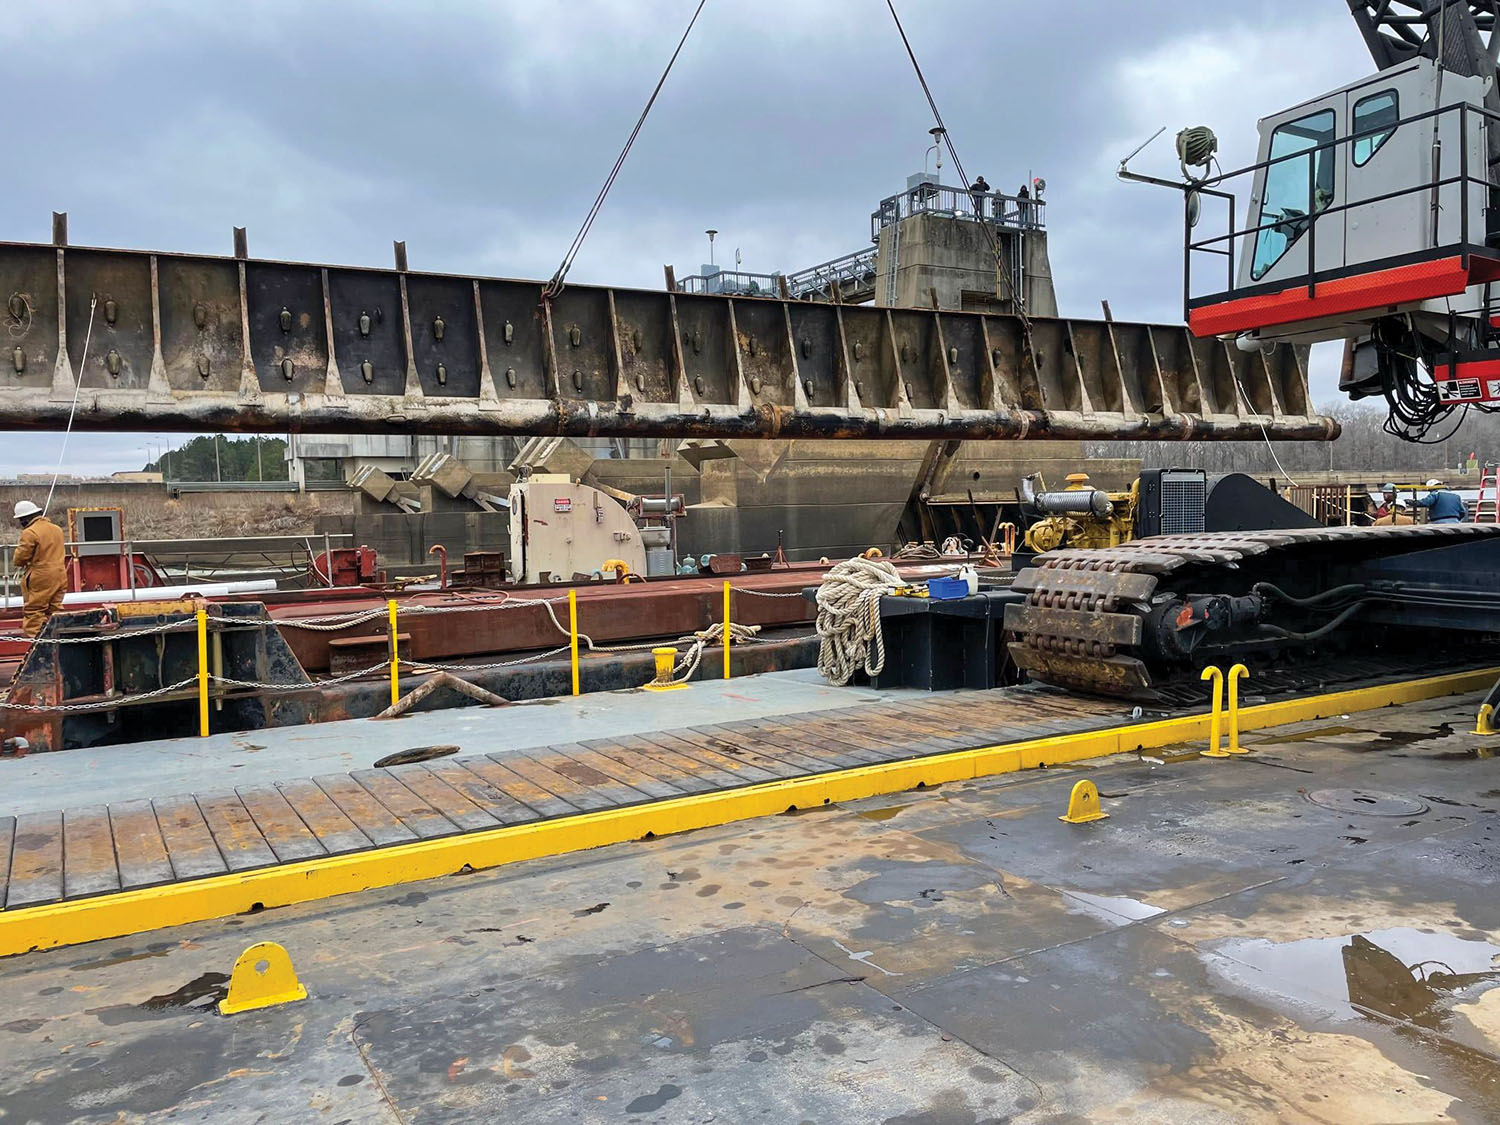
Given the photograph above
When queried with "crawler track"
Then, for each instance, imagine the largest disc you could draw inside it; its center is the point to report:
(1094, 620)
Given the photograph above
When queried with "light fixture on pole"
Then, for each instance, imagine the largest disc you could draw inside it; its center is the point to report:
(711, 234)
(936, 132)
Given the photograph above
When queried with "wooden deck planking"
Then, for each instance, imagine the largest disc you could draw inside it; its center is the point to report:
(691, 770)
(639, 780)
(494, 800)
(905, 737)
(415, 813)
(740, 766)
(36, 861)
(539, 774)
(235, 832)
(47, 857)
(336, 833)
(508, 781)
(573, 762)
(369, 815)
(140, 851)
(751, 748)
(436, 792)
(683, 774)
(89, 865)
(190, 845)
(279, 823)
(819, 742)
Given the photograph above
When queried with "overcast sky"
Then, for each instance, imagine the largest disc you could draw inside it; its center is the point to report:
(481, 132)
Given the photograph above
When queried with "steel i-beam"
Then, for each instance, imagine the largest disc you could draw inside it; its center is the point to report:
(197, 343)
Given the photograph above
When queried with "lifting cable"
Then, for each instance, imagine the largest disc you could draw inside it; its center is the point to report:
(555, 286)
(72, 410)
(937, 116)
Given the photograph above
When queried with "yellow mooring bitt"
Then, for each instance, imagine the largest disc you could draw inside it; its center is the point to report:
(1236, 673)
(666, 661)
(262, 978)
(1215, 725)
(1083, 804)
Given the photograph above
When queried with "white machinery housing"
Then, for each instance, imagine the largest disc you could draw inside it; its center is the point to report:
(559, 529)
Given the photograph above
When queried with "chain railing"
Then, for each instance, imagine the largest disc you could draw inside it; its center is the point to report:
(686, 664)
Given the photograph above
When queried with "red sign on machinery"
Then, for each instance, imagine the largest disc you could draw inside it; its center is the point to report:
(562, 503)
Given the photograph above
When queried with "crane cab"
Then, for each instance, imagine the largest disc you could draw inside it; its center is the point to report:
(1371, 200)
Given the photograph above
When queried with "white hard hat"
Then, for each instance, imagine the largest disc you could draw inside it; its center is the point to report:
(1387, 487)
(1433, 483)
(26, 508)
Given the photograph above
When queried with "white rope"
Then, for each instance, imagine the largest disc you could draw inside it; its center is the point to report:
(849, 617)
(77, 386)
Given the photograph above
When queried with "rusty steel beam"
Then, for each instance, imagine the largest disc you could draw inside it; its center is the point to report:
(197, 343)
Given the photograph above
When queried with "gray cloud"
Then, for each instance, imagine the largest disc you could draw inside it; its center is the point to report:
(480, 134)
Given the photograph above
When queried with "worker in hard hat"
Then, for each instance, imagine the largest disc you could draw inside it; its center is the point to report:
(1387, 503)
(1442, 504)
(1398, 516)
(40, 556)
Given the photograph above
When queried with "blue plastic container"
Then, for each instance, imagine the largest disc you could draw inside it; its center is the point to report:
(945, 589)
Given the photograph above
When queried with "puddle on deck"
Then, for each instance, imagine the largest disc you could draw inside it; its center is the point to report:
(1116, 910)
(1403, 974)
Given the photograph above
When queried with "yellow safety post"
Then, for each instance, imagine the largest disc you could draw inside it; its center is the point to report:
(395, 657)
(202, 672)
(1485, 723)
(1213, 751)
(1083, 805)
(262, 978)
(573, 634)
(666, 661)
(1236, 673)
(726, 630)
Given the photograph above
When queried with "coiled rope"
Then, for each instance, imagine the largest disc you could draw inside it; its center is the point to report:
(848, 625)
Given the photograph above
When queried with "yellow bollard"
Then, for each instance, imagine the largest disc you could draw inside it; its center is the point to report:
(726, 630)
(202, 672)
(395, 656)
(1484, 723)
(573, 634)
(262, 977)
(1083, 805)
(1213, 750)
(1238, 672)
(666, 661)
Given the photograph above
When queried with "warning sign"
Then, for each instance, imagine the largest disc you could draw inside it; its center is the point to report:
(562, 504)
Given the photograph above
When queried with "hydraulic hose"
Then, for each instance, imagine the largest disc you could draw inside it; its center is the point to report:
(1316, 634)
(1312, 601)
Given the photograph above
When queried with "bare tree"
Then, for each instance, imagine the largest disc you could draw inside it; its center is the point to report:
(1362, 447)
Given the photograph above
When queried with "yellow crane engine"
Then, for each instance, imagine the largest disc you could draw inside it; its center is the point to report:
(1079, 515)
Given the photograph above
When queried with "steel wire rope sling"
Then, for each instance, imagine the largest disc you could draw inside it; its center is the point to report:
(1016, 296)
(555, 286)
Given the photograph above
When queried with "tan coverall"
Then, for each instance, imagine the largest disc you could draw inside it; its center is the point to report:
(40, 551)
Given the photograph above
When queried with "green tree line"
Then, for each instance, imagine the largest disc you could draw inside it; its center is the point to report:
(236, 459)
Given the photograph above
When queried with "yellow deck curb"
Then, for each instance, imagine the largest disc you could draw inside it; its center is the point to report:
(131, 912)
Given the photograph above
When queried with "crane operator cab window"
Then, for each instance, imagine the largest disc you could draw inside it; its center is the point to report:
(1298, 184)
(1374, 120)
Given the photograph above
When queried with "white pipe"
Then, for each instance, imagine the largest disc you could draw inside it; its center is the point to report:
(158, 593)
